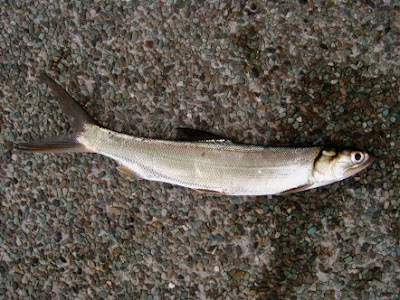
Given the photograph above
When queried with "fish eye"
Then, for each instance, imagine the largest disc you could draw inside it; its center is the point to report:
(357, 157)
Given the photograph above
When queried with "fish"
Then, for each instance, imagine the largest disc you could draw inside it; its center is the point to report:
(202, 161)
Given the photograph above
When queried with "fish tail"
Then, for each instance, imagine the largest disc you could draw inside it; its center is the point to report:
(57, 144)
(79, 121)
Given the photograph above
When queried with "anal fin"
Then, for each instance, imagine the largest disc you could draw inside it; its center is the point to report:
(126, 171)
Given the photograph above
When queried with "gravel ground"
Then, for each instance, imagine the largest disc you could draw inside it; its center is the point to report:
(259, 72)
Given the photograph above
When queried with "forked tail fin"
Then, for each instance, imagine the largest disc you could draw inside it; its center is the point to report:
(79, 119)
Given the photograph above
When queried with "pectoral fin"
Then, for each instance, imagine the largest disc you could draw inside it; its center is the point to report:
(211, 192)
(297, 189)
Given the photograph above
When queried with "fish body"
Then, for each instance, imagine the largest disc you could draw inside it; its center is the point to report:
(217, 166)
(222, 167)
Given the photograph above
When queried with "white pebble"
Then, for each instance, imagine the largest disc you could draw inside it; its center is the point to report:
(171, 285)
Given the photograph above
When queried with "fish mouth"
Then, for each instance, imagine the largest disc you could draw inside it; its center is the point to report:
(369, 159)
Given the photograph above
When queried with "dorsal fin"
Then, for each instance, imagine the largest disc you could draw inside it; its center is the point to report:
(195, 135)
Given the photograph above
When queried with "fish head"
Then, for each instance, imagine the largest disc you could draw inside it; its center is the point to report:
(332, 165)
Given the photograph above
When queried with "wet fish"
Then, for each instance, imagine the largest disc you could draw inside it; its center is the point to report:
(207, 162)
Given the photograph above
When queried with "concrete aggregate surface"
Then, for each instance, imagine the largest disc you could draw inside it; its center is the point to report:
(279, 73)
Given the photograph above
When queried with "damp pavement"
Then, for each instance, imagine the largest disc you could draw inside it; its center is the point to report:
(279, 73)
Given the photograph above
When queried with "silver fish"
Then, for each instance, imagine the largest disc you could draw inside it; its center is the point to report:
(208, 164)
